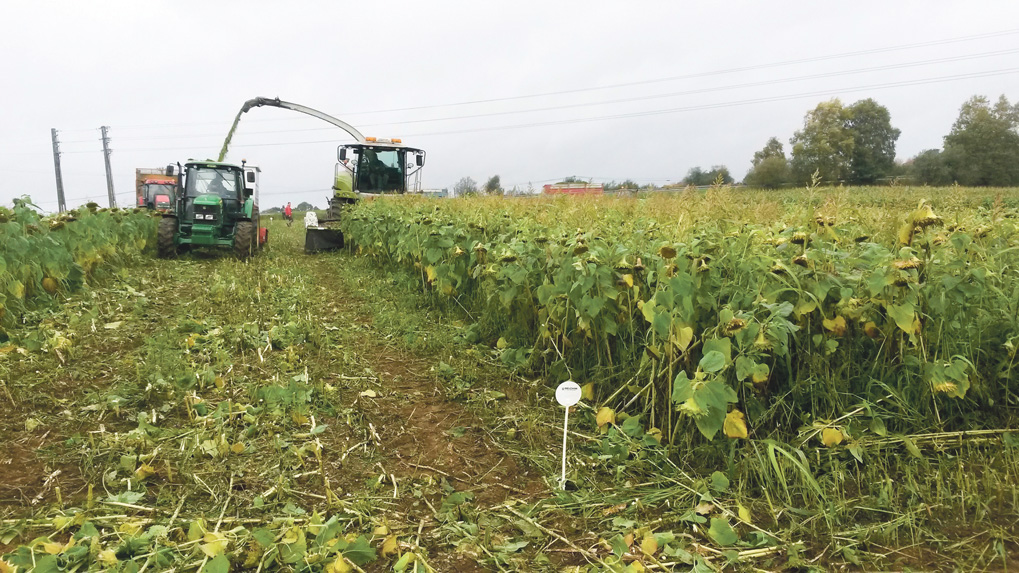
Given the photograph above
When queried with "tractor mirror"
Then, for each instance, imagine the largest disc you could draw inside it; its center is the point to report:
(419, 159)
(343, 153)
(248, 191)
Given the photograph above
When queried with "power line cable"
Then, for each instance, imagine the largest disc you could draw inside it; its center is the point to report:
(625, 100)
(738, 103)
(709, 73)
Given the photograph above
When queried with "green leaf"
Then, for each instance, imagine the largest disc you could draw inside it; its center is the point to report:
(911, 448)
(712, 362)
(619, 547)
(218, 564)
(719, 482)
(722, 533)
(903, 316)
(360, 551)
(263, 536)
(131, 497)
(723, 345)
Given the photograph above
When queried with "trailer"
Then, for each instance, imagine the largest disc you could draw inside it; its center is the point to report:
(155, 189)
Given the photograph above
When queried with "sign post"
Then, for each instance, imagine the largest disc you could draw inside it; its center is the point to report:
(567, 394)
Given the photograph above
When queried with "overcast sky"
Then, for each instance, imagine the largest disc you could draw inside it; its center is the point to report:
(533, 91)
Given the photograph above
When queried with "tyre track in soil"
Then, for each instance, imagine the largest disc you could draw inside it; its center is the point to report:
(421, 434)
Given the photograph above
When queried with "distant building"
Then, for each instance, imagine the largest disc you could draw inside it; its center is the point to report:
(579, 188)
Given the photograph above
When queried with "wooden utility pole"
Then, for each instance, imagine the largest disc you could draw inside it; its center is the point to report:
(109, 173)
(61, 207)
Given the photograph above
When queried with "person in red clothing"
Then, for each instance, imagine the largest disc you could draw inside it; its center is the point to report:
(288, 214)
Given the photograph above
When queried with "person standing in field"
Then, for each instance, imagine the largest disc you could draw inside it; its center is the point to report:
(288, 214)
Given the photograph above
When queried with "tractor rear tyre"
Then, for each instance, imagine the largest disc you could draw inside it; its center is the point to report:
(165, 246)
(245, 239)
(257, 220)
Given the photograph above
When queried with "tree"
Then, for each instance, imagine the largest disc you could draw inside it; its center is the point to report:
(493, 186)
(698, 177)
(929, 168)
(465, 186)
(825, 144)
(771, 173)
(771, 149)
(983, 146)
(305, 206)
(770, 167)
(874, 138)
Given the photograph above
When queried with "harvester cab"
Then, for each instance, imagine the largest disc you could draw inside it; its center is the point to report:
(216, 206)
(376, 167)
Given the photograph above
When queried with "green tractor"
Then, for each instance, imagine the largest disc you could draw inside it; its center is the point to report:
(217, 206)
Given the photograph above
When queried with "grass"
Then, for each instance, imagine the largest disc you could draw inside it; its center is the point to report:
(299, 412)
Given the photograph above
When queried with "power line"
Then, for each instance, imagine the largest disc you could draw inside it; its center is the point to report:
(738, 103)
(784, 63)
(711, 73)
(625, 100)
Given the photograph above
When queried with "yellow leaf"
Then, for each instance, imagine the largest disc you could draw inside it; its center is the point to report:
(389, 546)
(649, 545)
(587, 391)
(108, 556)
(606, 416)
(339, 566)
(760, 376)
(53, 548)
(381, 530)
(656, 434)
(369, 394)
(219, 382)
(131, 528)
(744, 513)
(237, 448)
(501, 343)
(836, 326)
(831, 437)
(628, 279)
(871, 330)
(59, 523)
(635, 567)
(806, 306)
(430, 271)
(682, 337)
(734, 426)
(144, 471)
(215, 544)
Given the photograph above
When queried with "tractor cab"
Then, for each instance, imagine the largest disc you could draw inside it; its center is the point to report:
(163, 203)
(378, 166)
(216, 206)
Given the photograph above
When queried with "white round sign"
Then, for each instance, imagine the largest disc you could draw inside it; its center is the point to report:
(568, 393)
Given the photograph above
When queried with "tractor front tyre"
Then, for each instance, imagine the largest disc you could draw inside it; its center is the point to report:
(245, 239)
(165, 246)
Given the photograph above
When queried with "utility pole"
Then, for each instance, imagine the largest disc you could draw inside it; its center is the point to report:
(61, 207)
(109, 173)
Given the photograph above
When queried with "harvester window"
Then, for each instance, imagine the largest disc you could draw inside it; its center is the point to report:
(380, 170)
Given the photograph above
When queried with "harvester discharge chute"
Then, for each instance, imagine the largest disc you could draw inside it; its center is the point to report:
(367, 168)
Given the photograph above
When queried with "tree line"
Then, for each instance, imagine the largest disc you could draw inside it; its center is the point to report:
(855, 145)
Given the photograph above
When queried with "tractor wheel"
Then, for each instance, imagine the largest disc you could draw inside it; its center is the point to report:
(244, 239)
(165, 246)
(257, 220)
